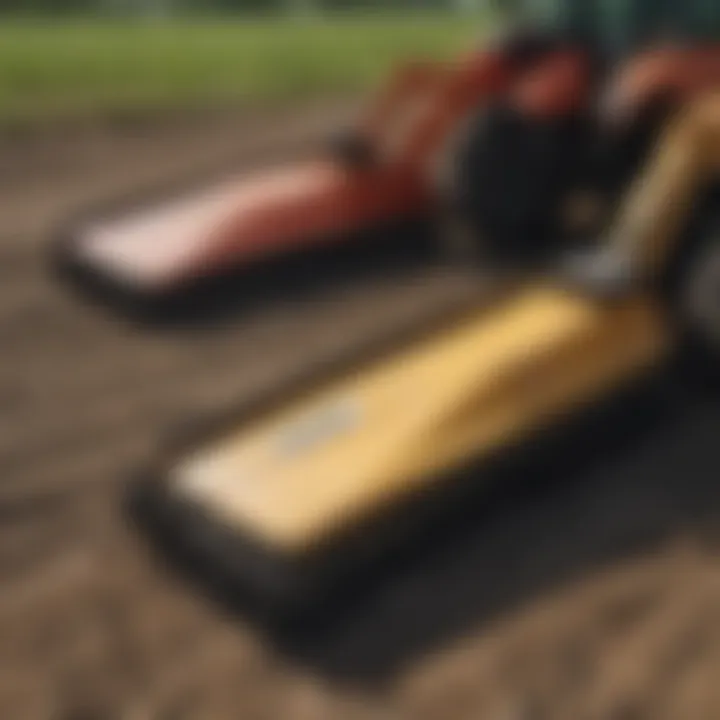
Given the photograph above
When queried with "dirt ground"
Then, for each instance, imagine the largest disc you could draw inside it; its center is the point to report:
(595, 596)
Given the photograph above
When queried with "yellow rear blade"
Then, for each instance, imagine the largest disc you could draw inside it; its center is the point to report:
(355, 444)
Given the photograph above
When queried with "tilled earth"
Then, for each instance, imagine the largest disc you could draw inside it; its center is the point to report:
(596, 596)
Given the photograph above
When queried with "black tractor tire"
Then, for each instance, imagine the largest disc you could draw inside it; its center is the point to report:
(698, 296)
(691, 290)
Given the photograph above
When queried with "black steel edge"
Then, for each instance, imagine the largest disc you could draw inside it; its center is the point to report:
(165, 304)
(225, 289)
(91, 283)
(228, 563)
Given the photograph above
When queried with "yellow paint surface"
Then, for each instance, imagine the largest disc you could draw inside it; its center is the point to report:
(366, 439)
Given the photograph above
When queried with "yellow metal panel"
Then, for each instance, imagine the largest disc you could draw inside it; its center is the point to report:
(368, 438)
(661, 200)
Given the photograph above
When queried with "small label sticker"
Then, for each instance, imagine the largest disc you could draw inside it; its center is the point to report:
(318, 426)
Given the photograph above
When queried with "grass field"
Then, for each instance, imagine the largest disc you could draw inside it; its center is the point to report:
(98, 68)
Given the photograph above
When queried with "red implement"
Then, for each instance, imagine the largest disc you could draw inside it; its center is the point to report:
(156, 253)
(248, 220)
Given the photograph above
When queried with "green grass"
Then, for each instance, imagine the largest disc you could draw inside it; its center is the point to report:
(90, 68)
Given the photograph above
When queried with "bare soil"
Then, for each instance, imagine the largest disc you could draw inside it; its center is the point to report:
(596, 595)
